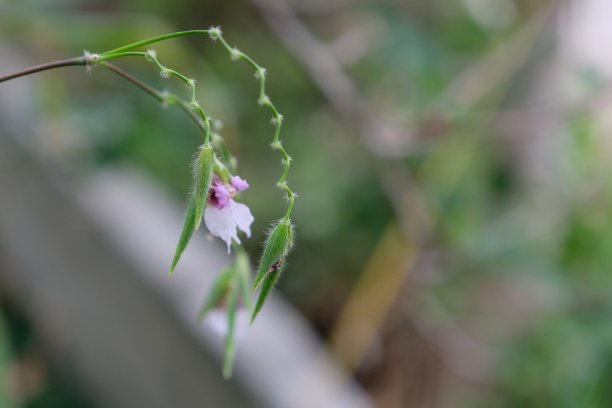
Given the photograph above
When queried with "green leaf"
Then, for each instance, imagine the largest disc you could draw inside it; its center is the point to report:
(218, 290)
(243, 273)
(229, 354)
(277, 246)
(188, 229)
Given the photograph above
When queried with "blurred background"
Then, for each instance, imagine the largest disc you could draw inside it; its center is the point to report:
(452, 159)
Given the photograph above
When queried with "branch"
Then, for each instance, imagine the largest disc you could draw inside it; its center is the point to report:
(44, 67)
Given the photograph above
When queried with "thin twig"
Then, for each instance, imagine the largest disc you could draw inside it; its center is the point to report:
(44, 67)
(145, 87)
(160, 96)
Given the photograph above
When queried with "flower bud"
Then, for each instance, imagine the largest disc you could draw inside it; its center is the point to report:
(272, 261)
(202, 175)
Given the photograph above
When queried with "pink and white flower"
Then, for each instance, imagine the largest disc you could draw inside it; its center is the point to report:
(224, 216)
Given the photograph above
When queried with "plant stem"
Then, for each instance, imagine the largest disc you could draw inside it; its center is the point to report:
(161, 97)
(145, 87)
(44, 67)
(154, 40)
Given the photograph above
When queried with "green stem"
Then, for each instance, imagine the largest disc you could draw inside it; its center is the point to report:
(200, 116)
(155, 40)
(106, 57)
(277, 118)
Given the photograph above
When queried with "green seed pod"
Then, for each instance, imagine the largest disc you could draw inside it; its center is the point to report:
(268, 283)
(272, 262)
(277, 246)
(202, 175)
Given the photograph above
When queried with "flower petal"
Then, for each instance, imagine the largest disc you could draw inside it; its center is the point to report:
(220, 196)
(221, 223)
(242, 217)
(239, 184)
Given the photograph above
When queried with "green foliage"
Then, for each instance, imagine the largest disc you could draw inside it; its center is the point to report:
(229, 293)
(189, 226)
(218, 291)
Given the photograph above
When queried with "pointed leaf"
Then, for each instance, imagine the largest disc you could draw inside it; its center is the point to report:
(229, 354)
(187, 232)
(217, 291)
(243, 272)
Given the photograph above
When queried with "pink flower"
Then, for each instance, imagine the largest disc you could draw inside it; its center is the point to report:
(219, 194)
(239, 184)
(224, 216)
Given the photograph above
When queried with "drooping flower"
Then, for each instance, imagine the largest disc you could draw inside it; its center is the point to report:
(224, 216)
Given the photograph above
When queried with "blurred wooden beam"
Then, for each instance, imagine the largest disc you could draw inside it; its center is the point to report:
(99, 320)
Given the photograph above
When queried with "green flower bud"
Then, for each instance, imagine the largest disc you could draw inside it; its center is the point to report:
(202, 175)
(277, 247)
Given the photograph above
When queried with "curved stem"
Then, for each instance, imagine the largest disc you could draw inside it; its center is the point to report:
(126, 75)
(45, 67)
(160, 96)
(155, 40)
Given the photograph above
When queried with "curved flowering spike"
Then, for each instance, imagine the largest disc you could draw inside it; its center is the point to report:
(224, 217)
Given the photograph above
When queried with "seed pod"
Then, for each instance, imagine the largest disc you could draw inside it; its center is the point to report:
(268, 283)
(277, 246)
(272, 262)
(202, 176)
